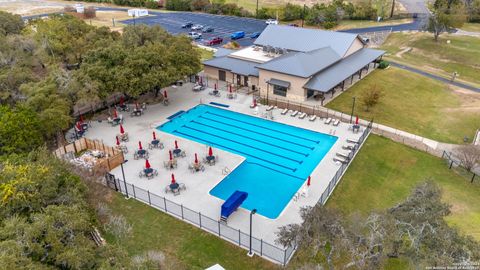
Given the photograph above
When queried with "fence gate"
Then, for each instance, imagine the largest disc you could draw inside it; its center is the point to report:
(110, 179)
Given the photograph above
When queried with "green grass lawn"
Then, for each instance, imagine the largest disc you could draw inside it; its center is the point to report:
(185, 246)
(471, 27)
(205, 54)
(415, 104)
(441, 58)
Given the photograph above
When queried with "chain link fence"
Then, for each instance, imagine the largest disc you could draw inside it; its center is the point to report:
(262, 248)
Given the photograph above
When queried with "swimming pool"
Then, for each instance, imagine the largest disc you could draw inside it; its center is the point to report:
(279, 157)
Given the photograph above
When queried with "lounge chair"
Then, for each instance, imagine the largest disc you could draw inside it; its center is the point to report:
(328, 121)
(349, 146)
(269, 108)
(303, 115)
(339, 159)
(343, 155)
(312, 118)
(285, 111)
(353, 141)
(294, 113)
(336, 122)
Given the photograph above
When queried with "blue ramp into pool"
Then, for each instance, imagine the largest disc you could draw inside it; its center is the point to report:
(232, 203)
(279, 157)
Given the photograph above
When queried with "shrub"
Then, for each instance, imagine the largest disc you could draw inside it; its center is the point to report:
(179, 5)
(152, 4)
(383, 64)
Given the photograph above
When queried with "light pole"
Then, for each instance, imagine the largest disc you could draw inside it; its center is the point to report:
(250, 253)
(303, 13)
(256, 14)
(353, 108)
(124, 182)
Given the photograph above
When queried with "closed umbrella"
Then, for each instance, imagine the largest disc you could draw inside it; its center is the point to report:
(215, 87)
(118, 141)
(254, 102)
(140, 145)
(356, 120)
(122, 131)
(196, 158)
(308, 181)
(121, 101)
(200, 80)
(165, 94)
(210, 151)
(81, 118)
(154, 136)
(136, 106)
(173, 178)
(170, 153)
(230, 88)
(78, 126)
(147, 164)
(115, 115)
(176, 144)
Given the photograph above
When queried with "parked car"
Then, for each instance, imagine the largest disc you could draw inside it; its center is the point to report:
(197, 27)
(237, 35)
(187, 25)
(293, 24)
(214, 41)
(255, 35)
(271, 21)
(207, 29)
(195, 35)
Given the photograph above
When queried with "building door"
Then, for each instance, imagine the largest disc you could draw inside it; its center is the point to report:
(239, 79)
(245, 80)
(222, 76)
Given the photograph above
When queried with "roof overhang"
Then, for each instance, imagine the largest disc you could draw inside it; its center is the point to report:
(279, 83)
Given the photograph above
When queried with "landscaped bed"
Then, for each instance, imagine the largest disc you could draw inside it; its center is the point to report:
(415, 104)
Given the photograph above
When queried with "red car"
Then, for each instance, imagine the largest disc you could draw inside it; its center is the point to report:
(214, 41)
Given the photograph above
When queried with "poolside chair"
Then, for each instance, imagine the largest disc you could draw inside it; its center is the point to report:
(302, 116)
(294, 113)
(339, 159)
(312, 118)
(353, 141)
(123, 137)
(269, 108)
(196, 168)
(170, 164)
(349, 147)
(285, 111)
(343, 155)
(336, 122)
(328, 121)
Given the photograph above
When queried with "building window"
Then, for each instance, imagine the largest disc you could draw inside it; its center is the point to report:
(280, 90)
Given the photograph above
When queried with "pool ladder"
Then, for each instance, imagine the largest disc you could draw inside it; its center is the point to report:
(226, 171)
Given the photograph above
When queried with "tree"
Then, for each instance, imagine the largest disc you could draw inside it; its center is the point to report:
(20, 130)
(371, 97)
(469, 156)
(446, 14)
(10, 23)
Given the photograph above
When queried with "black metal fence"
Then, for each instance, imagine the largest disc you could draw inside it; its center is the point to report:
(336, 178)
(262, 248)
(455, 163)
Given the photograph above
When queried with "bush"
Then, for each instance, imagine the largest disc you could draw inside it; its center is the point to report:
(179, 5)
(152, 4)
(292, 12)
(383, 64)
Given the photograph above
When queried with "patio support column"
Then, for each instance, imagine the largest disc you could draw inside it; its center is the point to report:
(343, 85)
(360, 74)
(351, 79)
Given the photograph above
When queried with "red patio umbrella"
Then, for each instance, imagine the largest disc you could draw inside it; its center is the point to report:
(140, 145)
(210, 151)
(196, 158)
(230, 88)
(154, 136)
(254, 102)
(118, 141)
(81, 118)
(165, 94)
(136, 106)
(122, 131)
(356, 120)
(170, 154)
(176, 144)
(215, 87)
(308, 181)
(121, 101)
(173, 179)
(78, 126)
(115, 113)
(147, 164)
(200, 80)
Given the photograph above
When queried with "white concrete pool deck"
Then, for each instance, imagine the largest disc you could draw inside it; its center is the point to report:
(197, 196)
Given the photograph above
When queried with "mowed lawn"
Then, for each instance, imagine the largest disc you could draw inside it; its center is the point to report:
(384, 173)
(415, 104)
(460, 55)
(184, 246)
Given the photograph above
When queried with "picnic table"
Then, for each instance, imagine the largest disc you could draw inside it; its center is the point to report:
(123, 107)
(155, 144)
(136, 112)
(210, 160)
(140, 153)
(178, 152)
(148, 172)
(198, 87)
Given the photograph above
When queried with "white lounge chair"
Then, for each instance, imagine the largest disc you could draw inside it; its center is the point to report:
(294, 113)
(339, 159)
(328, 121)
(270, 108)
(343, 155)
(312, 118)
(336, 122)
(353, 141)
(285, 111)
(349, 146)
(303, 115)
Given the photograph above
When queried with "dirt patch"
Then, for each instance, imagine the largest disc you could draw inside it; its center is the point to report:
(404, 50)
(470, 100)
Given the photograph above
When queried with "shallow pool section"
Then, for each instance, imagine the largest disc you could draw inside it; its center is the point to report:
(279, 157)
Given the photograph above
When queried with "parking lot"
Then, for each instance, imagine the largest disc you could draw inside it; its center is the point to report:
(223, 26)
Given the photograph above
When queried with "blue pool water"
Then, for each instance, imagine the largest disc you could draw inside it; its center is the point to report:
(279, 157)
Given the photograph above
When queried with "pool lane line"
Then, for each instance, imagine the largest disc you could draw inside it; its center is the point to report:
(274, 130)
(249, 138)
(236, 150)
(303, 179)
(260, 133)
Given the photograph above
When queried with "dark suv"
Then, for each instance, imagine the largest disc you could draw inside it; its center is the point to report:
(187, 25)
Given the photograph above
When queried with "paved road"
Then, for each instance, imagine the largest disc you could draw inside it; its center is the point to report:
(435, 77)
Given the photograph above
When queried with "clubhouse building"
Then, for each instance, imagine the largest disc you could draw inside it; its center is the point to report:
(295, 63)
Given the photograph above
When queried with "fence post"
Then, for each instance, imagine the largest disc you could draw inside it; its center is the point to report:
(451, 164)
(134, 196)
(218, 228)
(200, 219)
(261, 246)
(284, 257)
(165, 204)
(149, 200)
(181, 207)
(473, 177)
(239, 239)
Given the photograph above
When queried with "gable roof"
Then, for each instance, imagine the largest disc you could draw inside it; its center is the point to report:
(222, 52)
(304, 40)
(302, 64)
(330, 77)
(234, 65)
